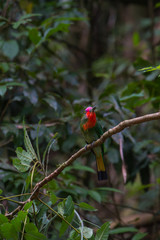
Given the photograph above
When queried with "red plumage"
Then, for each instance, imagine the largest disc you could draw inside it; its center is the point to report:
(91, 120)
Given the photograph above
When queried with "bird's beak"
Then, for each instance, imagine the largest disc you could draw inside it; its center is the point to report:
(93, 108)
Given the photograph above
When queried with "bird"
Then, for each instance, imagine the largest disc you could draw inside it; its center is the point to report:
(92, 130)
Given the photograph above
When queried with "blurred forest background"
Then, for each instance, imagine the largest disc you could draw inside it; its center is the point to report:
(56, 58)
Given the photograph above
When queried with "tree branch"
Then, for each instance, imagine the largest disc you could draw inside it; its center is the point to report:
(121, 126)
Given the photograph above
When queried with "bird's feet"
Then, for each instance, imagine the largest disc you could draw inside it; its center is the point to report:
(92, 143)
(88, 144)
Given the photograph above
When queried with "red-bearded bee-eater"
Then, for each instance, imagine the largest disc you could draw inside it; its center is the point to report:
(92, 130)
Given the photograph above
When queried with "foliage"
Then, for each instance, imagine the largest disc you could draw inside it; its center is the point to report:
(57, 57)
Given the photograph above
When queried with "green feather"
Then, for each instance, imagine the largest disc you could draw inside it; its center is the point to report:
(91, 135)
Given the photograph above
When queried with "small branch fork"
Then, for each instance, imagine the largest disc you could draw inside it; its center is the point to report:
(121, 126)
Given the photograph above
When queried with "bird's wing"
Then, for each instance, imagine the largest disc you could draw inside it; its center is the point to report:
(98, 129)
(99, 132)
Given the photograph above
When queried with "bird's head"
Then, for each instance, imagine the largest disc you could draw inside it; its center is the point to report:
(89, 120)
(90, 114)
(90, 109)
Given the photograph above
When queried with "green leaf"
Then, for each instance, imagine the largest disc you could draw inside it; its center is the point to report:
(69, 143)
(92, 238)
(62, 27)
(131, 88)
(87, 232)
(3, 219)
(22, 215)
(52, 102)
(28, 145)
(30, 227)
(64, 225)
(29, 15)
(5, 85)
(24, 156)
(34, 236)
(53, 198)
(110, 89)
(74, 18)
(34, 35)
(95, 195)
(86, 206)
(150, 69)
(61, 208)
(136, 38)
(141, 63)
(27, 205)
(20, 167)
(74, 235)
(141, 145)
(157, 5)
(123, 230)
(152, 76)
(109, 189)
(113, 155)
(69, 206)
(3, 90)
(103, 232)
(53, 185)
(23, 161)
(17, 223)
(3, 19)
(25, 19)
(134, 95)
(139, 236)
(4, 67)
(83, 168)
(1, 191)
(8, 232)
(10, 49)
(10, 84)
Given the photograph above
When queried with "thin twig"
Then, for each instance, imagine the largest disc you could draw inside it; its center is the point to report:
(14, 196)
(71, 45)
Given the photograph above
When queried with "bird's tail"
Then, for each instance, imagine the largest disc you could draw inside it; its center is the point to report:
(102, 173)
